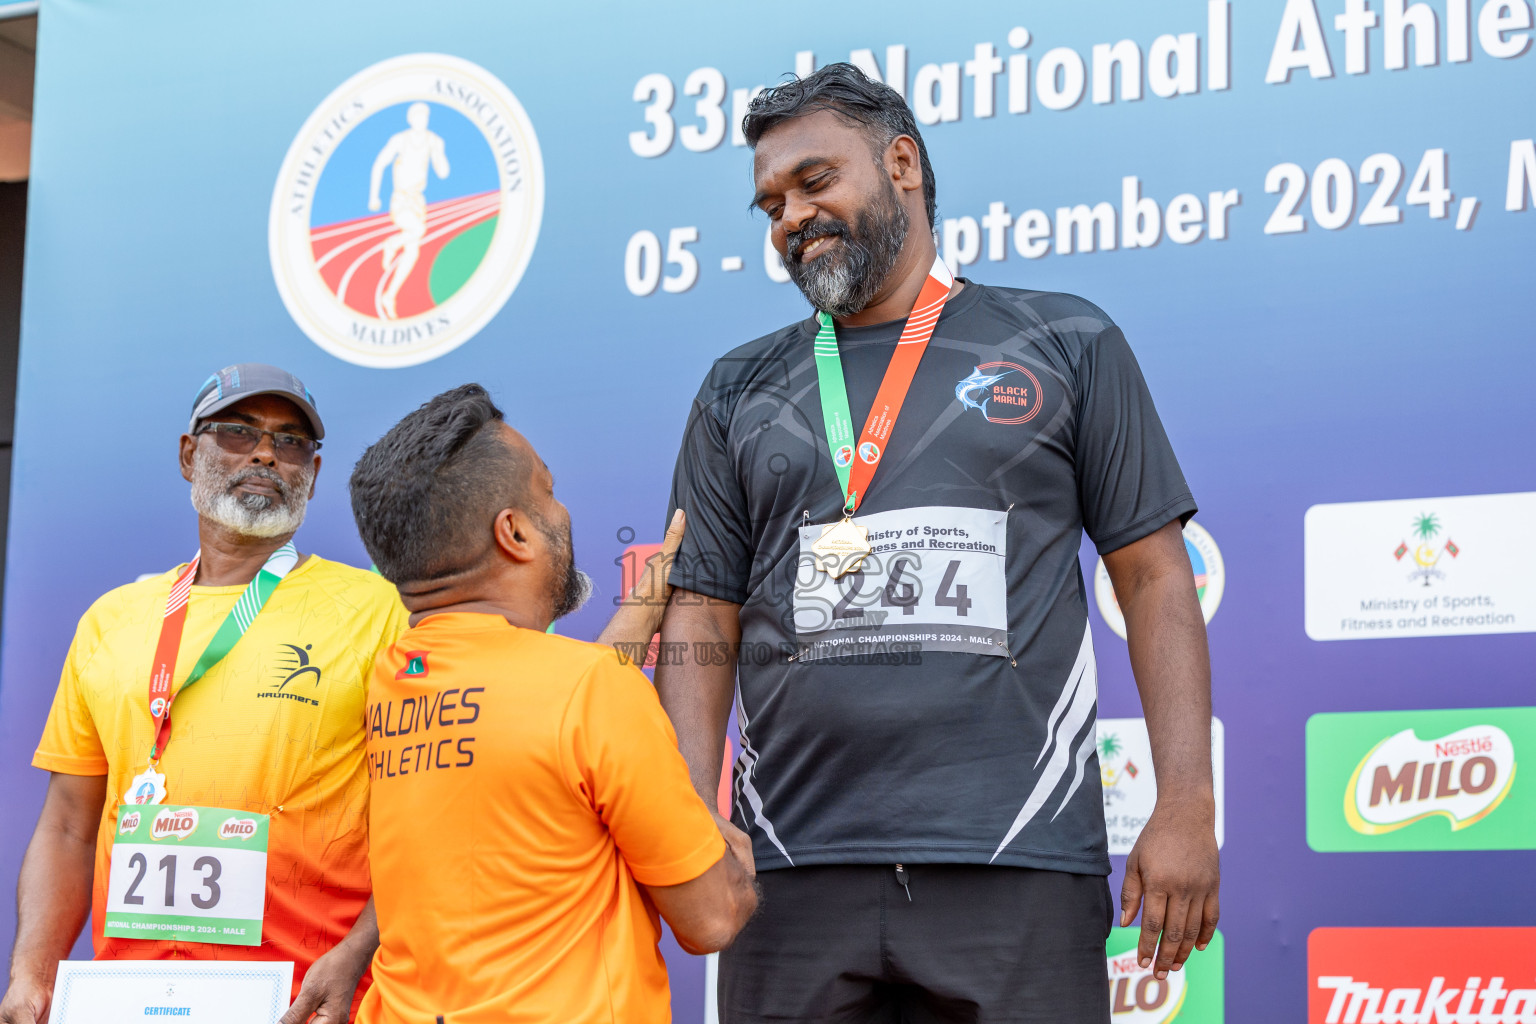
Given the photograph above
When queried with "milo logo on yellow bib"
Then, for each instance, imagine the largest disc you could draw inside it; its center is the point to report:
(179, 823)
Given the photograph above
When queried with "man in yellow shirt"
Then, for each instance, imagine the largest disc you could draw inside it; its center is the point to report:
(260, 657)
(530, 811)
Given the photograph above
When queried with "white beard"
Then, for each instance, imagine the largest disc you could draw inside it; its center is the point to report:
(254, 515)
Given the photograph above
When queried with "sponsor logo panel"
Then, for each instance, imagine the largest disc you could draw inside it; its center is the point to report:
(1421, 976)
(406, 210)
(1194, 995)
(1205, 562)
(1421, 780)
(1130, 784)
(1421, 567)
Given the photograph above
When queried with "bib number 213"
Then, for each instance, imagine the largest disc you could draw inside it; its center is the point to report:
(194, 874)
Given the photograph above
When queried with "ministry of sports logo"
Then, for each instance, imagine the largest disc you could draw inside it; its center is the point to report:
(1427, 551)
(1204, 560)
(406, 210)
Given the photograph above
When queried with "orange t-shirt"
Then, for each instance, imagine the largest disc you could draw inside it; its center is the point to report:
(522, 785)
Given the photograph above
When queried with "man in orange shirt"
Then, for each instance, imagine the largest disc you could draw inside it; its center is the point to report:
(530, 813)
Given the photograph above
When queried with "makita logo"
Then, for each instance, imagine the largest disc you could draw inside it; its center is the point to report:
(1136, 996)
(1421, 976)
(1404, 779)
(168, 823)
(237, 828)
(1357, 1001)
(128, 823)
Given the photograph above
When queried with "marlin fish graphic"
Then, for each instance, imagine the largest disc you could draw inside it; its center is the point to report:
(977, 381)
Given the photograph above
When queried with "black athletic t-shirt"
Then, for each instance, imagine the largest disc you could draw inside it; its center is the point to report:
(937, 706)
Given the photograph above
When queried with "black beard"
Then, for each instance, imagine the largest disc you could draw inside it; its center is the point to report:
(570, 589)
(843, 283)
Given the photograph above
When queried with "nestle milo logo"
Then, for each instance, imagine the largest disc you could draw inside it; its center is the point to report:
(179, 823)
(1421, 780)
(237, 828)
(1194, 995)
(1462, 776)
(128, 823)
(1138, 996)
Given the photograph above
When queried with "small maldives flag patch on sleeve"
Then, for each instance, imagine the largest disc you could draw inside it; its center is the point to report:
(415, 665)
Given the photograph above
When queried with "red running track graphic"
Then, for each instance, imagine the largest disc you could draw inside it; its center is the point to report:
(349, 254)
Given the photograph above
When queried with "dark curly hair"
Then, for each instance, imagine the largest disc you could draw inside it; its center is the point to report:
(852, 95)
(425, 494)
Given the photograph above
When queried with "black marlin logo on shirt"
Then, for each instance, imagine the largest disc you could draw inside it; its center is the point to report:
(294, 667)
(1003, 392)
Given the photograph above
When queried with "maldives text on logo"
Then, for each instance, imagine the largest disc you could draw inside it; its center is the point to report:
(406, 210)
(1421, 975)
(1377, 569)
(1204, 560)
(1129, 781)
(1194, 995)
(1421, 780)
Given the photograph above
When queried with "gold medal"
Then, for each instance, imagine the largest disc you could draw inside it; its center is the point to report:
(841, 548)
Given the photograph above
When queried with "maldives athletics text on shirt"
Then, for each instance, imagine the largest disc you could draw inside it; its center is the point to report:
(1422, 976)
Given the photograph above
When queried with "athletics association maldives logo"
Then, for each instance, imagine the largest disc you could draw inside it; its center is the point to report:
(1003, 392)
(1204, 560)
(844, 455)
(869, 452)
(406, 210)
(1426, 551)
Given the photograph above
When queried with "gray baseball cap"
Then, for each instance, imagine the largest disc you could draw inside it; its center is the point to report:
(243, 380)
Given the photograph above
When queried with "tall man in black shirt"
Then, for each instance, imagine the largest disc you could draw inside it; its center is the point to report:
(917, 692)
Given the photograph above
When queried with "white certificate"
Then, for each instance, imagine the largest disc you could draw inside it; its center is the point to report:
(185, 991)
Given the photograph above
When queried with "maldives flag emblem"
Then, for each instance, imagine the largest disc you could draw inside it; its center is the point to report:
(415, 665)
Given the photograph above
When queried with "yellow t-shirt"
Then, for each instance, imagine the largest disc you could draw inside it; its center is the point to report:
(276, 727)
(522, 785)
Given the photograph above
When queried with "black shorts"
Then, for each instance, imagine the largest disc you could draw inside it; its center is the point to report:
(974, 943)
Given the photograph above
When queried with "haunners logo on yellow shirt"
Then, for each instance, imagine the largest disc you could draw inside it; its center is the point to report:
(294, 670)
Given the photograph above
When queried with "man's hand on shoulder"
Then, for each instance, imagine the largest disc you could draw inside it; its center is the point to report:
(1173, 876)
(639, 616)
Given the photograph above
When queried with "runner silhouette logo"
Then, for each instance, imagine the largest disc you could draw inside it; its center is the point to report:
(406, 211)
